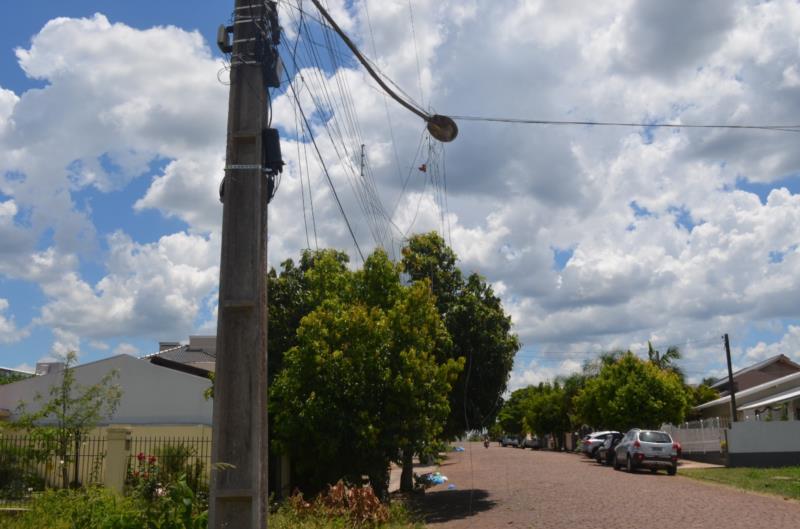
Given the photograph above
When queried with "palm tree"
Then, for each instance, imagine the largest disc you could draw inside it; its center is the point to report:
(665, 361)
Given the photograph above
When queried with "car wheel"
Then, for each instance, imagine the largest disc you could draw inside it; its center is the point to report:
(653, 470)
(629, 465)
(672, 470)
(614, 462)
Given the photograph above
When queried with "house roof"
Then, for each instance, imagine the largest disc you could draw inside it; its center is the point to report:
(774, 399)
(755, 390)
(11, 370)
(755, 367)
(151, 394)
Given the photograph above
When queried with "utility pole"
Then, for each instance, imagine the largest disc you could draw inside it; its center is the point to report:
(730, 378)
(239, 453)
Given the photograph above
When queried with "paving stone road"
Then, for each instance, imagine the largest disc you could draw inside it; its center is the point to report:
(514, 488)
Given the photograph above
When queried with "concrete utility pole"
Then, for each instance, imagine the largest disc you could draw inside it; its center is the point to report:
(730, 378)
(239, 452)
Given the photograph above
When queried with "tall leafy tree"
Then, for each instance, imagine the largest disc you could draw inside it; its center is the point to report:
(546, 412)
(511, 416)
(478, 326)
(70, 413)
(362, 381)
(632, 393)
(666, 360)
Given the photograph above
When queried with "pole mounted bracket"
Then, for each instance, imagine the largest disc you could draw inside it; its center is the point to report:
(224, 38)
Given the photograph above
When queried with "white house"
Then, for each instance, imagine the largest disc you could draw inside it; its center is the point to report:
(151, 394)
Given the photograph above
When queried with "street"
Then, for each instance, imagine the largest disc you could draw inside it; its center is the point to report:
(509, 487)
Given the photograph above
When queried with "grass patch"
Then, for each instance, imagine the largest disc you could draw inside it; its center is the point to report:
(783, 481)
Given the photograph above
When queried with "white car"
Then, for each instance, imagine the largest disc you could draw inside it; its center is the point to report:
(650, 449)
(592, 442)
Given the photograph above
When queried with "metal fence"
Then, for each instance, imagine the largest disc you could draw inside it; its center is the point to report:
(701, 436)
(166, 459)
(30, 464)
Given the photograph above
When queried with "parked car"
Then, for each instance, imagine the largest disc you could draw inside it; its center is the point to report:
(650, 449)
(510, 440)
(593, 441)
(532, 443)
(605, 452)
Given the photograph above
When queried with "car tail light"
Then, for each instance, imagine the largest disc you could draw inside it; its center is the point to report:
(677, 447)
(637, 444)
(587, 442)
(639, 455)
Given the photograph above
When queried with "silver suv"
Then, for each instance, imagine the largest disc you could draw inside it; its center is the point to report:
(650, 449)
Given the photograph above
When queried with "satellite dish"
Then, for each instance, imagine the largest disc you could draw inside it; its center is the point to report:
(442, 128)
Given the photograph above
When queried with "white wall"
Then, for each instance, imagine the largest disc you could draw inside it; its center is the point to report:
(764, 436)
(151, 394)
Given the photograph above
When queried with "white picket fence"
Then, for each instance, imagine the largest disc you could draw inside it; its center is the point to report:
(703, 436)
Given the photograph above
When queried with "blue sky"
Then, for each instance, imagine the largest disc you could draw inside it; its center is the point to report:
(110, 211)
(112, 138)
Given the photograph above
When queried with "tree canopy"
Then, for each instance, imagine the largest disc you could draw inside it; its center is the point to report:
(361, 381)
(478, 326)
(631, 392)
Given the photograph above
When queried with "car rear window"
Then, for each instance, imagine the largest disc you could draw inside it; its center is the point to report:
(654, 437)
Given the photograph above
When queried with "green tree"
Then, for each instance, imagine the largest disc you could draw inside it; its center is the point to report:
(700, 394)
(71, 411)
(362, 381)
(632, 393)
(666, 360)
(512, 413)
(478, 326)
(8, 378)
(546, 413)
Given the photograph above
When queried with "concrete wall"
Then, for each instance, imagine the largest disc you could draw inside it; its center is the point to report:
(764, 444)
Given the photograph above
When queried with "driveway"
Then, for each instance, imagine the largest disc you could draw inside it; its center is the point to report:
(510, 487)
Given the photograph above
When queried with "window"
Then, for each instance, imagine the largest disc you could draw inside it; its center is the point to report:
(654, 437)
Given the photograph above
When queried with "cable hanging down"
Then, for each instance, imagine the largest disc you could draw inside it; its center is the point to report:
(441, 127)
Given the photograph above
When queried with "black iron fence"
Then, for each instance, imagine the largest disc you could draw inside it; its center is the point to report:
(29, 464)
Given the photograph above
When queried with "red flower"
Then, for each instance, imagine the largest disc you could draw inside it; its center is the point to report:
(151, 459)
(136, 473)
(140, 456)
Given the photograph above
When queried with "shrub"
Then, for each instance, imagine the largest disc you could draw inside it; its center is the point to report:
(99, 508)
(341, 507)
(18, 474)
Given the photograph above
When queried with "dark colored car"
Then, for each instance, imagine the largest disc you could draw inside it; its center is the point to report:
(510, 440)
(532, 443)
(605, 452)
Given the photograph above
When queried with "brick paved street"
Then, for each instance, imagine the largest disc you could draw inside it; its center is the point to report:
(514, 488)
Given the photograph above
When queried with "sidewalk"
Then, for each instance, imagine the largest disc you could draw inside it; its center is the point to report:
(419, 468)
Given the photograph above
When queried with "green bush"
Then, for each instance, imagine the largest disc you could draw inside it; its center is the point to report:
(18, 474)
(99, 508)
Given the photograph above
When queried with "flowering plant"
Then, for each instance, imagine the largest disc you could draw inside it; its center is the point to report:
(142, 479)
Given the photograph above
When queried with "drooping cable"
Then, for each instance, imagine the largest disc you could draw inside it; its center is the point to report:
(325, 170)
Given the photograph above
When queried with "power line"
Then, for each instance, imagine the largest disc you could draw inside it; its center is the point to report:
(775, 128)
(325, 170)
